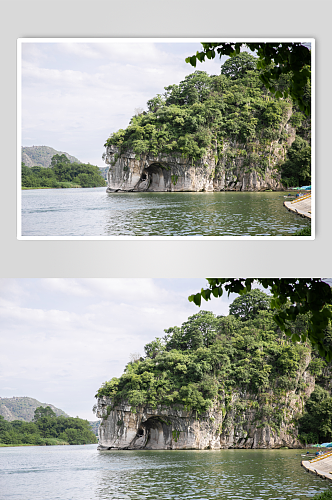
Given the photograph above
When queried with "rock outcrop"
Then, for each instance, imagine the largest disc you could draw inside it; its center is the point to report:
(240, 421)
(238, 167)
(175, 173)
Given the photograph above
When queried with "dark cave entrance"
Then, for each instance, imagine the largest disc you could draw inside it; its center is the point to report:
(155, 433)
(155, 178)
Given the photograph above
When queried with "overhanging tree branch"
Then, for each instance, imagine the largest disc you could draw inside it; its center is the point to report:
(290, 297)
(274, 60)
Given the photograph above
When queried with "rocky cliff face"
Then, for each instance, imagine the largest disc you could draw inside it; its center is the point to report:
(239, 421)
(251, 169)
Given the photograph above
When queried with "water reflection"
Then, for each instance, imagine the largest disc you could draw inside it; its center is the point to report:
(202, 214)
(210, 475)
(92, 212)
(83, 473)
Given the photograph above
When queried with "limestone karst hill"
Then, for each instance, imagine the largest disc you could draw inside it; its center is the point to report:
(218, 382)
(212, 133)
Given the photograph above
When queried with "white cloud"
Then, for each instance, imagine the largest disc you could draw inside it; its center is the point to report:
(66, 336)
(75, 94)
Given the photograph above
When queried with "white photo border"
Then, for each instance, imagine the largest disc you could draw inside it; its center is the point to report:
(21, 41)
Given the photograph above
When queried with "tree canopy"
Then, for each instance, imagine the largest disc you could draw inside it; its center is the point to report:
(46, 429)
(57, 159)
(274, 60)
(233, 118)
(61, 174)
(315, 425)
(290, 299)
(237, 66)
(246, 306)
(43, 412)
(296, 171)
(209, 357)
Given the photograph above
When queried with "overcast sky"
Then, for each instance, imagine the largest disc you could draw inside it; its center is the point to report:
(75, 94)
(62, 338)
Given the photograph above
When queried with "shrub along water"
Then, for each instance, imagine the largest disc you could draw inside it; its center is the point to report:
(62, 174)
(46, 429)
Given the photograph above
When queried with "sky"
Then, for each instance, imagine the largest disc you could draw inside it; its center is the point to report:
(62, 338)
(75, 94)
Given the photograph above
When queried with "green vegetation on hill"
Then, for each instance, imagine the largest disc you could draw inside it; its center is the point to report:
(46, 429)
(275, 60)
(204, 112)
(290, 298)
(41, 156)
(315, 425)
(23, 408)
(62, 174)
(209, 358)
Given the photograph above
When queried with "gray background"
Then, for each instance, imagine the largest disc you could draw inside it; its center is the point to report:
(172, 18)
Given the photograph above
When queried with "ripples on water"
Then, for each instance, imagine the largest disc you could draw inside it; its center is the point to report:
(83, 473)
(93, 212)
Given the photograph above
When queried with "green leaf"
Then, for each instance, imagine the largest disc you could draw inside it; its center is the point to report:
(193, 61)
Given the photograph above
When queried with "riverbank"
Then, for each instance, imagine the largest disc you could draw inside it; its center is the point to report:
(58, 443)
(53, 187)
(321, 466)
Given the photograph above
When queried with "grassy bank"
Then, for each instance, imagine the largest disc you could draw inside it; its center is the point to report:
(46, 442)
(68, 185)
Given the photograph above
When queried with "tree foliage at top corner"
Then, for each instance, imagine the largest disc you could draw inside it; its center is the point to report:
(290, 299)
(277, 59)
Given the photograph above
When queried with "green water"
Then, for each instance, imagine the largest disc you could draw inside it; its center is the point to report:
(83, 473)
(212, 475)
(93, 212)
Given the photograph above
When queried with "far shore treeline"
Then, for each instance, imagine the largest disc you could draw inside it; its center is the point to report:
(46, 429)
(62, 174)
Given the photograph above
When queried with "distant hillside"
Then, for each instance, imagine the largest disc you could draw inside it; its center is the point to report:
(103, 172)
(95, 426)
(23, 408)
(42, 155)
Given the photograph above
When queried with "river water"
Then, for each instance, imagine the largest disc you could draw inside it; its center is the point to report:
(93, 212)
(83, 473)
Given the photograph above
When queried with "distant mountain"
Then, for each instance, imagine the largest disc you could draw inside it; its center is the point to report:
(95, 426)
(23, 408)
(41, 156)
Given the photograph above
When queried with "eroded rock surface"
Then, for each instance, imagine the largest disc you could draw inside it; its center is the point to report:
(241, 423)
(229, 172)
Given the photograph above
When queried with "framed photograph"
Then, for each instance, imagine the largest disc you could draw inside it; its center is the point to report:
(166, 139)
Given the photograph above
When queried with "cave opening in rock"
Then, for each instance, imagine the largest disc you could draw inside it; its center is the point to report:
(155, 178)
(157, 432)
